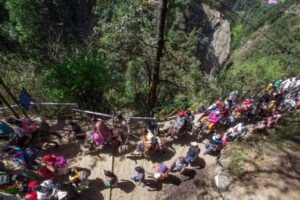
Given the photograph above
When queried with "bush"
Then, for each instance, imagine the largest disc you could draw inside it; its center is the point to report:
(87, 80)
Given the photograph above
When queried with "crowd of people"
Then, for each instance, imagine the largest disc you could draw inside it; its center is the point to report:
(222, 122)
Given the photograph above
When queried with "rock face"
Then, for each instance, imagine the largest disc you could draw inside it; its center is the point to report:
(215, 37)
(218, 48)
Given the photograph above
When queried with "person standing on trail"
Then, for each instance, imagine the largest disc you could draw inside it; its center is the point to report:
(192, 153)
(139, 175)
(111, 180)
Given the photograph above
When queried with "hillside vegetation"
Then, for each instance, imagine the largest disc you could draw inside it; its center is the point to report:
(100, 54)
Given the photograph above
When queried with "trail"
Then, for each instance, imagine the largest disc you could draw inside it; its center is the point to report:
(123, 167)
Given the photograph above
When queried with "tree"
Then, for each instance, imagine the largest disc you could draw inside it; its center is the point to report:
(152, 96)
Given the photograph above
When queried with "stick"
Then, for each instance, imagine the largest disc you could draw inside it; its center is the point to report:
(8, 105)
(13, 97)
(92, 113)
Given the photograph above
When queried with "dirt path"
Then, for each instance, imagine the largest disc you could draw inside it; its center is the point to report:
(123, 166)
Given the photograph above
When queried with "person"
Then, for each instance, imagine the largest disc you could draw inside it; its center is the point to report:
(192, 153)
(24, 183)
(44, 172)
(5, 130)
(43, 191)
(103, 132)
(25, 158)
(277, 84)
(213, 144)
(232, 98)
(202, 109)
(111, 180)
(27, 127)
(179, 165)
(214, 106)
(232, 133)
(74, 176)
(213, 118)
(77, 178)
(181, 118)
(75, 131)
(55, 163)
(31, 195)
(30, 158)
(161, 172)
(139, 175)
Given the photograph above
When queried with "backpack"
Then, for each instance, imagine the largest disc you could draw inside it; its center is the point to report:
(60, 161)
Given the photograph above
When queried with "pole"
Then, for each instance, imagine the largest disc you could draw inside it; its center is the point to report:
(13, 97)
(8, 105)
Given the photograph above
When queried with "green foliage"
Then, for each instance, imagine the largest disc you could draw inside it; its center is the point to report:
(87, 80)
(242, 156)
(48, 36)
(266, 50)
(27, 17)
(236, 33)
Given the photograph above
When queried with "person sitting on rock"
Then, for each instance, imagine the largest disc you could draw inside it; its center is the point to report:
(26, 129)
(77, 178)
(139, 175)
(161, 172)
(214, 144)
(111, 180)
(192, 153)
(179, 165)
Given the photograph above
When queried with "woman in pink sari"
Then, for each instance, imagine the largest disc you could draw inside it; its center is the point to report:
(102, 134)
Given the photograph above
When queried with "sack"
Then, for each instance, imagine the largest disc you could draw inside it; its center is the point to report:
(60, 161)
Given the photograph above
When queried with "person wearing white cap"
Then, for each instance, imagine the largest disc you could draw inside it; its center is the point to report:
(192, 153)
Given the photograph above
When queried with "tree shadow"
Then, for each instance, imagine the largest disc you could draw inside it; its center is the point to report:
(69, 150)
(199, 163)
(60, 125)
(162, 156)
(190, 173)
(126, 186)
(185, 139)
(153, 185)
(93, 191)
(173, 180)
(287, 170)
(158, 157)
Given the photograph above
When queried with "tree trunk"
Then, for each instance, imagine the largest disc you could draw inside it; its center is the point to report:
(152, 95)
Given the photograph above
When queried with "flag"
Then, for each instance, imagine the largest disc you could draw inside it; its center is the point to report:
(25, 99)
